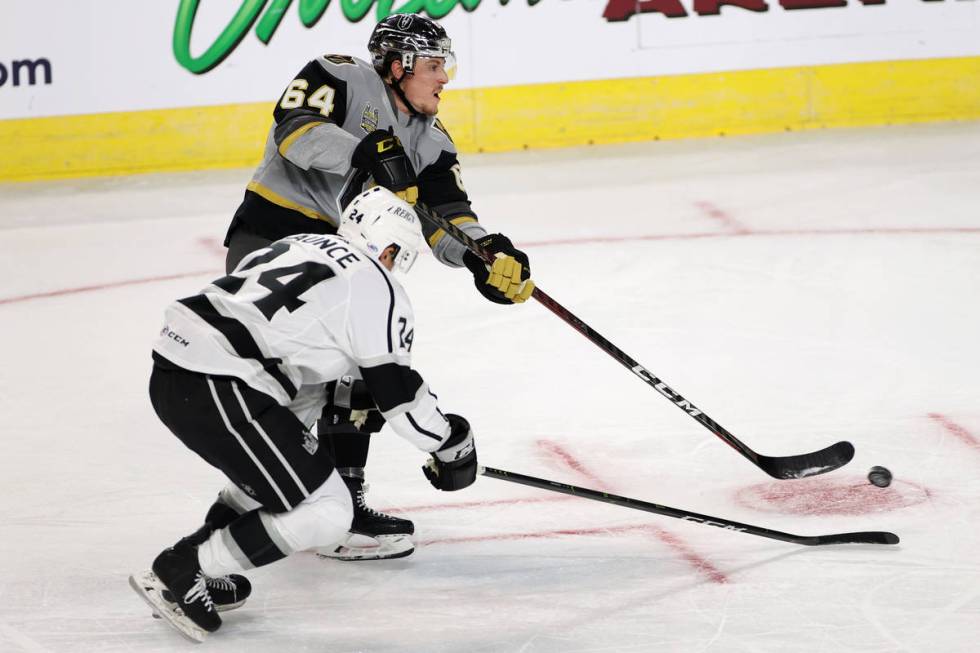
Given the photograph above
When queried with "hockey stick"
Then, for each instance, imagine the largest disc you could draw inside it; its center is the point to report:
(781, 467)
(865, 537)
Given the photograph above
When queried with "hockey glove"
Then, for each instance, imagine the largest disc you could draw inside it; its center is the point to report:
(350, 408)
(453, 465)
(508, 280)
(382, 154)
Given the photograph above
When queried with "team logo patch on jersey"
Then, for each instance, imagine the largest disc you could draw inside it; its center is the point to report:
(369, 119)
(339, 59)
(310, 442)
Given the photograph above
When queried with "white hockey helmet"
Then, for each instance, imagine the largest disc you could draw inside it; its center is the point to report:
(377, 219)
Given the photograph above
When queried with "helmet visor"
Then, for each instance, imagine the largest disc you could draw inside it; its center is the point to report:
(447, 61)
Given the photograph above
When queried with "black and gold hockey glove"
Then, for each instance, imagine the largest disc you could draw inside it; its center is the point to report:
(381, 154)
(508, 280)
(453, 465)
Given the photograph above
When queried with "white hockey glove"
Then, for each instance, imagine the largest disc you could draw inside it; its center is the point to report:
(453, 466)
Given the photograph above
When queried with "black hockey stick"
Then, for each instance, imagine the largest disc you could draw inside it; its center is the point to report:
(781, 467)
(865, 537)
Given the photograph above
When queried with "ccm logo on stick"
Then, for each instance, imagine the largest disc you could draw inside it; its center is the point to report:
(665, 390)
(727, 527)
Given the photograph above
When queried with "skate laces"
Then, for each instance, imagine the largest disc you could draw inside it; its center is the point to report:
(199, 591)
(221, 583)
(362, 503)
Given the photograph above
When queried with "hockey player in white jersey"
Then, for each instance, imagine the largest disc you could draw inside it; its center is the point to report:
(343, 123)
(240, 374)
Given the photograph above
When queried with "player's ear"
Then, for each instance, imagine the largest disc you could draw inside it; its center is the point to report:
(396, 70)
(387, 257)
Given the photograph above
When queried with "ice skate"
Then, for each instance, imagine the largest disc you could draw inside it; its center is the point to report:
(373, 534)
(227, 592)
(176, 571)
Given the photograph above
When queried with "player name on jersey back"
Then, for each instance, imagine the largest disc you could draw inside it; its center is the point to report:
(302, 311)
(338, 250)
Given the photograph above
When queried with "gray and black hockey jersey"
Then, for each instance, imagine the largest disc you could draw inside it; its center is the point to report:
(305, 179)
(303, 312)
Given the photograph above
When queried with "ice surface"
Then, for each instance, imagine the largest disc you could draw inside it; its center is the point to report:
(800, 289)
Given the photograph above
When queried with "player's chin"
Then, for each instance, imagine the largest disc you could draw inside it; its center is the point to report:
(435, 100)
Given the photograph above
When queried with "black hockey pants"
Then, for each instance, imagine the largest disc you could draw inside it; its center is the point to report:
(258, 444)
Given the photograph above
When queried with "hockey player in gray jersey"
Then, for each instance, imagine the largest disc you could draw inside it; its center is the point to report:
(239, 376)
(341, 125)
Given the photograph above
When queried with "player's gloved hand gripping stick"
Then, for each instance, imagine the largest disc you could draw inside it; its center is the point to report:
(453, 466)
(501, 271)
(781, 467)
(381, 154)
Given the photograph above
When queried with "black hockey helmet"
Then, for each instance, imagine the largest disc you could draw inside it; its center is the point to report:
(405, 37)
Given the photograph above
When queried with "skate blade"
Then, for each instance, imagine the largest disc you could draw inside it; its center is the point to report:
(229, 606)
(362, 547)
(149, 588)
(218, 607)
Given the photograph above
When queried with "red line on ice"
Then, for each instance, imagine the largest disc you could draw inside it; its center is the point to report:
(723, 217)
(213, 245)
(550, 243)
(558, 451)
(473, 504)
(884, 231)
(667, 537)
(673, 541)
(537, 535)
(957, 430)
(695, 560)
(103, 286)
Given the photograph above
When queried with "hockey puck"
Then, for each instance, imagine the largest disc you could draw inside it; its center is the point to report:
(880, 476)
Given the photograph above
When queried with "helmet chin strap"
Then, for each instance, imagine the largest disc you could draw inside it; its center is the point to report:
(396, 86)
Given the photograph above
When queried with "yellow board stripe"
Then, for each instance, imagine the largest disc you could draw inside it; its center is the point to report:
(713, 104)
(289, 140)
(228, 136)
(279, 200)
(514, 117)
(439, 234)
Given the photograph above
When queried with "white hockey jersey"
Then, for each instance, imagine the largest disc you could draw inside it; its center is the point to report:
(304, 311)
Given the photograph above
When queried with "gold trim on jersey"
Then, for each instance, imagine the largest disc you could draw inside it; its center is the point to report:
(289, 140)
(438, 125)
(279, 200)
(340, 58)
(439, 234)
